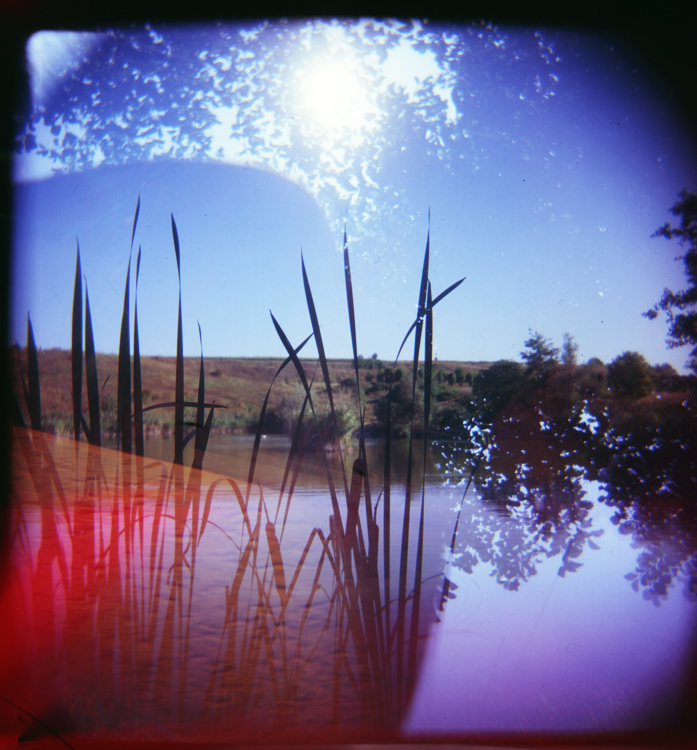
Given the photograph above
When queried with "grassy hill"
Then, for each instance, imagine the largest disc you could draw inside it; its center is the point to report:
(238, 384)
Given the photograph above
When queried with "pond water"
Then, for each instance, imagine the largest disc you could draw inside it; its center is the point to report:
(158, 602)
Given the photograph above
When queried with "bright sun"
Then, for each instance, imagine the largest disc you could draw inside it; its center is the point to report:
(333, 98)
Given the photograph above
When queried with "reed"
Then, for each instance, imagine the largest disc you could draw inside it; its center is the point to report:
(134, 519)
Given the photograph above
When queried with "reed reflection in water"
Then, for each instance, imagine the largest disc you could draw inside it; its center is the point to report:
(152, 600)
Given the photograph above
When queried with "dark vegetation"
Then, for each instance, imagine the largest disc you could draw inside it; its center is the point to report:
(612, 414)
(681, 307)
(240, 385)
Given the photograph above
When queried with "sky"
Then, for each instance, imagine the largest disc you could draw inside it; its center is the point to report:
(545, 159)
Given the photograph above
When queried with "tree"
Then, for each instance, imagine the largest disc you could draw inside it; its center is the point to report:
(667, 378)
(497, 386)
(539, 355)
(403, 408)
(569, 351)
(681, 307)
(630, 375)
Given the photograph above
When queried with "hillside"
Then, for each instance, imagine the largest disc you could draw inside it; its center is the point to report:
(240, 385)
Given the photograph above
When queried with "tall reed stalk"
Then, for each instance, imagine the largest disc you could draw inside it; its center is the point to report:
(133, 519)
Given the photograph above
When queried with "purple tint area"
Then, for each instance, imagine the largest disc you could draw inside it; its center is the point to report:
(584, 653)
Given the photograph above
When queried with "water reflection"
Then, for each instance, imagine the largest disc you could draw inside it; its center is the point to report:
(150, 600)
(546, 489)
(532, 463)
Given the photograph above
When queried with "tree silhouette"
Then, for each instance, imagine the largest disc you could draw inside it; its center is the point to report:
(630, 375)
(681, 307)
(569, 351)
(539, 355)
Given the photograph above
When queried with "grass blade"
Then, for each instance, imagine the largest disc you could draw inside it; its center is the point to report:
(76, 347)
(293, 357)
(428, 362)
(323, 362)
(201, 395)
(418, 573)
(91, 375)
(135, 222)
(423, 289)
(277, 562)
(260, 425)
(33, 389)
(202, 430)
(446, 292)
(303, 378)
(179, 382)
(352, 324)
(137, 378)
(123, 384)
(318, 336)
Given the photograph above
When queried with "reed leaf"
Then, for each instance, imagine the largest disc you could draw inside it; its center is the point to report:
(428, 364)
(318, 335)
(277, 562)
(123, 383)
(200, 410)
(293, 357)
(232, 595)
(32, 392)
(135, 222)
(423, 290)
(303, 379)
(203, 430)
(352, 324)
(444, 294)
(295, 452)
(91, 377)
(322, 360)
(137, 377)
(416, 602)
(205, 435)
(45, 727)
(76, 347)
(417, 326)
(238, 496)
(179, 381)
(262, 415)
(387, 509)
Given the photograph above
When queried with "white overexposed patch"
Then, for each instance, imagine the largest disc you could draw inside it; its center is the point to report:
(50, 55)
(334, 98)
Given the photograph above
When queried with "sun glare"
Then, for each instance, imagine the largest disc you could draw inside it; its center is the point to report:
(333, 99)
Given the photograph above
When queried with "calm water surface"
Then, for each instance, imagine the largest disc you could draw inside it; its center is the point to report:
(152, 601)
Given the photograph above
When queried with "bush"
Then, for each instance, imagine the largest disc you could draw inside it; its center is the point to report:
(591, 379)
(449, 419)
(497, 386)
(402, 407)
(667, 378)
(630, 376)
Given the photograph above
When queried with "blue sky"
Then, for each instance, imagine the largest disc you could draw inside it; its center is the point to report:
(547, 159)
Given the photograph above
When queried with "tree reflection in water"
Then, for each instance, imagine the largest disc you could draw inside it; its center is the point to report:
(529, 461)
(533, 502)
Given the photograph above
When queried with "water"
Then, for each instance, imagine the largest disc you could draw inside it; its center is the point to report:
(156, 602)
